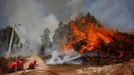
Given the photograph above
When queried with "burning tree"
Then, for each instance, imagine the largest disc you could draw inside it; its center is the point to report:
(61, 34)
(97, 43)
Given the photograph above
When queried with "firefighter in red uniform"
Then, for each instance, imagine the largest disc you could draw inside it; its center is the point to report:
(20, 64)
(32, 65)
(16, 65)
(12, 66)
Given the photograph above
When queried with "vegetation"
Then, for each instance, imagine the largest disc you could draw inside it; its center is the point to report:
(5, 35)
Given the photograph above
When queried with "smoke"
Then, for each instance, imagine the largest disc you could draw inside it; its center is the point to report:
(51, 22)
(57, 57)
(32, 13)
(25, 13)
(37, 15)
(114, 13)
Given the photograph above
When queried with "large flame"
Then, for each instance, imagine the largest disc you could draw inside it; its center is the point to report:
(91, 39)
(93, 35)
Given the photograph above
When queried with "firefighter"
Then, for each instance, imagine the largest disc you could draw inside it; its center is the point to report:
(32, 65)
(12, 66)
(35, 63)
(20, 64)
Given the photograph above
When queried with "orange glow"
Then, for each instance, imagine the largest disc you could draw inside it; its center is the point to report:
(83, 21)
(77, 34)
(66, 48)
(93, 35)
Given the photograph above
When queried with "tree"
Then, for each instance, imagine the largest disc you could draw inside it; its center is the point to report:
(61, 34)
(45, 39)
(92, 18)
(5, 35)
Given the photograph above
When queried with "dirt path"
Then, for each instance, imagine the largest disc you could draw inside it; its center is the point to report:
(31, 59)
(126, 68)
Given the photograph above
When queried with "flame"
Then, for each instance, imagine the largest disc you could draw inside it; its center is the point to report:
(77, 34)
(83, 21)
(87, 36)
(66, 48)
(94, 36)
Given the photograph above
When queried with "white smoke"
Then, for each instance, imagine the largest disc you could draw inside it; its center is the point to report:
(32, 23)
(57, 57)
(52, 23)
(21, 31)
(37, 15)
(31, 13)
(27, 15)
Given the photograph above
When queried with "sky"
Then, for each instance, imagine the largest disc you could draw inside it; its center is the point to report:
(36, 15)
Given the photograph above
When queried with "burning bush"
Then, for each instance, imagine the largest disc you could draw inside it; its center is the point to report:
(88, 36)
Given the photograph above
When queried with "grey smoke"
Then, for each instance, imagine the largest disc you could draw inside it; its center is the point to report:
(36, 15)
(68, 59)
(114, 13)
